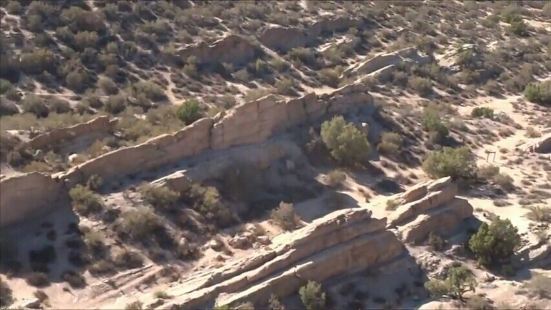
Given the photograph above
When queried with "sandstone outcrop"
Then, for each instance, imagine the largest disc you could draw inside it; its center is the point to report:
(387, 62)
(93, 128)
(429, 207)
(28, 195)
(262, 118)
(542, 145)
(232, 49)
(283, 39)
(344, 241)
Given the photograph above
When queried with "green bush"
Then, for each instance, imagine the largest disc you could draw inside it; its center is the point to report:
(285, 87)
(458, 281)
(346, 143)
(454, 162)
(390, 144)
(335, 177)
(77, 80)
(539, 92)
(189, 112)
(85, 39)
(539, 214)
(138, 223)
(159, 197)
(108, 86)
(432, 122)
(482, 112)
(422, 86)
(303, 54)
(329, 77)
(208, 203)
(116, 104)
(37, 61)
(59, 105)
(74, 279)
(495, 242)
(85, 201)
(35, 105)
(519, 28)
(150, 90)
(285, 216)
(6, 297)
(312, 296)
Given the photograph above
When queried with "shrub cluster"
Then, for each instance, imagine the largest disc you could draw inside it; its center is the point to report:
(85, 201)
(494, 243)
(390, 144)
(207, 201)
(159, 197)
(189, 112)
(454, 162)
(458, 281)
(539, 92)
(346, 143)
(312, 296)
(482, 112)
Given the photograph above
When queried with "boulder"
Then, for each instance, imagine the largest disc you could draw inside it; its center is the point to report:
(281, 38)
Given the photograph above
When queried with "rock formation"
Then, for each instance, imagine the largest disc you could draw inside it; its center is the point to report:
(232, 49)
(429, 207)
(263, 118)
(344, 241)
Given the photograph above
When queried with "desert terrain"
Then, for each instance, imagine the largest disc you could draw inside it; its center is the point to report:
(275, 155)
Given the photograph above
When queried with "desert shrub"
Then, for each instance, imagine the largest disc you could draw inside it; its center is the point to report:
(436, 242)
(432, 122)
(303, 54)
(329, 77)
(335, 177)
(108, 86)
(274, 303)
(458, 281)
(454, 162)
(115, 104)
(148, 89)
(422, 86)
(159, 197)
(5, 85)
(540, 286)
(390, 144)
(518, 28)
(102, 267)
(85, 39)
(532, 133)
(539, 214)
(539, 92)
(94, 182)
(346, 143)
(285, 87)
(312, 296)
(128, 259)
(37, 61)
(14, 7)
(38, 279)
(487, 172)
(85, 201)
(138, 223)
(6, 297)
(74, 279)
(189, 112)
(95, 241)
(59, 105)
(35, 105)
(279, 64)
(285, 216)
(136, 305)
(495, 242)
(77, 80)
(392, 204)
(483, 112)
(162, 295)
(504, 181)
(207, 202)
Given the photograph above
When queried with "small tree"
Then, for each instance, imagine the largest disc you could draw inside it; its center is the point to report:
(454, 162)
(495, 242)
(189, 112)
(312, 296)
(433, 124)
(458, 281)
(346, 143)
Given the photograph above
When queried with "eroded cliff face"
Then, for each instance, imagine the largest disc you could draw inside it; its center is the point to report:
(232, 49)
